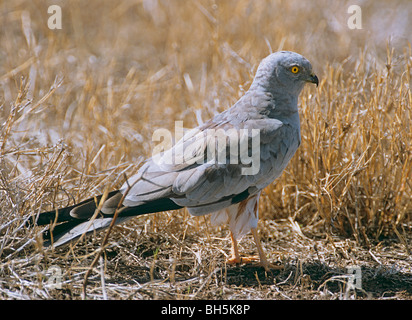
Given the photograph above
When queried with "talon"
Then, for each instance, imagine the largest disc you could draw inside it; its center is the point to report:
(233, 260)
(269, 266)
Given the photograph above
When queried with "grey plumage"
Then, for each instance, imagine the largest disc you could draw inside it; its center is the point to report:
(206, 185)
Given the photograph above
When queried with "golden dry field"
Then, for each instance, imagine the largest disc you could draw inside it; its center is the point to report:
(79, 105)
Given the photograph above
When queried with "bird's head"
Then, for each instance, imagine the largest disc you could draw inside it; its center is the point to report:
(286, 71)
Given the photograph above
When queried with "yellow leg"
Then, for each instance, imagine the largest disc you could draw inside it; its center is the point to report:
(262, 256)
(236, 258)
(234, 250)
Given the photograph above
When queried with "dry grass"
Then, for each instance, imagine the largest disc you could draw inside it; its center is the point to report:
(78, 107)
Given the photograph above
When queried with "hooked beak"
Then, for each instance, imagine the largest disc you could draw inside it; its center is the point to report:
(313, 79)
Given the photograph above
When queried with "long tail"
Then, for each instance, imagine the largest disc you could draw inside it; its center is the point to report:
(70, 223)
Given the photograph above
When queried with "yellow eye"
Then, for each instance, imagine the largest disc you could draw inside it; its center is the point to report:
(294, 69)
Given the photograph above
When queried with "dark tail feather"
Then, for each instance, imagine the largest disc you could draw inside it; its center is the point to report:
(63, 214)
(70, 227)
(158, 205)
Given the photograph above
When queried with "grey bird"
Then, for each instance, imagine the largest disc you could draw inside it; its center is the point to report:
(201, 181)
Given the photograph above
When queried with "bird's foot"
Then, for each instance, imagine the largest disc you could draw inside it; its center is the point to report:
(241, 260)
(269, 266)
(255, 262)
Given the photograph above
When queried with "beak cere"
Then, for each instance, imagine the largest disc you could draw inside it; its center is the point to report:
(313, 79)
